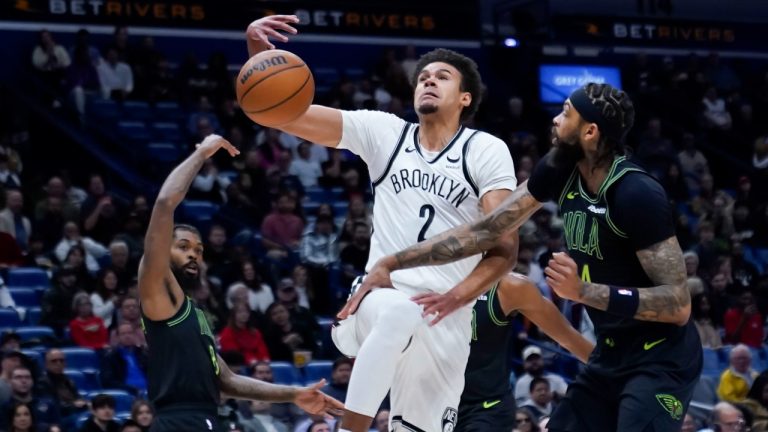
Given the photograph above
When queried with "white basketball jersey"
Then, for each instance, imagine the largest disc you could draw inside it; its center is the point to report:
(418, 194)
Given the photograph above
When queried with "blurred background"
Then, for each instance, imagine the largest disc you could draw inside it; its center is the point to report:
(100, 99)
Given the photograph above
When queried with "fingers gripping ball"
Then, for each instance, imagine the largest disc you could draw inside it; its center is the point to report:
(275, 87)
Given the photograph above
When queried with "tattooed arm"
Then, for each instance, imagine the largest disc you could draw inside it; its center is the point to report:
(669, 301)
(471, 239)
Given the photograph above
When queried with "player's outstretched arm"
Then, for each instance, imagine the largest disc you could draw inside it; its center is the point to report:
(154, 267)
(319, 125)
(516, 292)
(310, 399)
(669, 301)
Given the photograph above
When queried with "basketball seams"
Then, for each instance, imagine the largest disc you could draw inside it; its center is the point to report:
(245, 93)
(309, 76)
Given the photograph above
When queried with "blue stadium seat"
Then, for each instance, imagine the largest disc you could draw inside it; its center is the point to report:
(758, 359)
(163, 153)
(340, 208)
(104, 109)
(78, 378)
(711, 363)
(317, 370)
(122, 416)
(134, 131)
(92, 379)
(27, 277)
(26, 297)
(9, 318)
(136, 110)
(35, 332)
(284, 373)
(81, 419)
(169, 111)
(123, 399)
(81, 358)
(33, 316)
(310, 207)
(166, 131)
(199, 209)
(315, 194)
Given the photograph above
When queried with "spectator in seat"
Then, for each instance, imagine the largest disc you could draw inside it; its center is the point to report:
(525, 421)
(205, 112)
(757, 403)
(12, 219)
(318, 251)
(21, 418)
(10, 341)
(533, 364)
(125, 366)
(122, 265)
(259, 294)
(727, 418)
(105, 296)
(307, 170)
(693, 164)
(342, 370)
(281, 230)
(64, 391)
(130, 426)
(101, 216)
(257, 416)
(283, 337)
(288, 296)
(44, 408)
(56, 188)
(286, 413)
(219, 258)
(303, 285)
(102, 417)
(540, 402)
(71, 238)
(702, 318)
(82, 79)
(736, 381)
(56, 305)
(50, 59)
(86, 329)
(381, 421)
(744, 322)
(129, 313)
(241, 337)
(716, 113)
(354, 257)
(82, 41)
(9, 178)
(115, 76)
(142, 413)
(209, 184)
(10, 256)
(316, 423)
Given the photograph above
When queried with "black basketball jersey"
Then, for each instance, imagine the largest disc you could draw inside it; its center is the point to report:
(487, 373)
(606, 253)
(182, 367)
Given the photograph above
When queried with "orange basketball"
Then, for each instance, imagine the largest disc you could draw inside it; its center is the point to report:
(275, 87)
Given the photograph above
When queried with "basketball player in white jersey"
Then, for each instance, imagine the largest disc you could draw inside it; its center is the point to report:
(427, 177)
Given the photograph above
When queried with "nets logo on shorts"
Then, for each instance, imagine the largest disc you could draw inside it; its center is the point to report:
(449, 419)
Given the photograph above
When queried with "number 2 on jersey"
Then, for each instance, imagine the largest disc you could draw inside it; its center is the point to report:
(429, 212)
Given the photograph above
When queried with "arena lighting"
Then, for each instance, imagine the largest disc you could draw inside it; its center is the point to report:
(510, 42)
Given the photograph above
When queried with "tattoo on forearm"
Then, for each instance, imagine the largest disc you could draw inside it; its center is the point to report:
(468, 240)
(249, 388)
(664, 265)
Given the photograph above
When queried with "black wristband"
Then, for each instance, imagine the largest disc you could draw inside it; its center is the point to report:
(623, 301)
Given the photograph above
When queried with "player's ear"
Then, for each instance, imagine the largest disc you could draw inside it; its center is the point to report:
(465, 99)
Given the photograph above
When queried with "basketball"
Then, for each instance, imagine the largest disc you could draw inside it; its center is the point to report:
(275, 87)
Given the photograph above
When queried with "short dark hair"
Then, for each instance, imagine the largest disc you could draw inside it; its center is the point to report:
(538, 380)
(186, 227)
(617, 110)
(357, 225)
(470, 76)
(342, 361)
(102, 400)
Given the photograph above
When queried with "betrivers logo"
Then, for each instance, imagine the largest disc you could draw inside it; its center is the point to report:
(263, 65)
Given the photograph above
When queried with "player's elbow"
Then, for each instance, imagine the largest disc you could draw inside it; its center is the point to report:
(682, 315)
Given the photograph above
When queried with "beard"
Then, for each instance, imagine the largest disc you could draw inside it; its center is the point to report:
(426, 108)
(566, 151)
(187, 282)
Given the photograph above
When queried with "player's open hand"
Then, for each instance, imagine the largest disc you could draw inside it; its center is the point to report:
(313, 401)
(378, 277)
(438, 305)
(261, 30)
(212, 143)
(563, 276)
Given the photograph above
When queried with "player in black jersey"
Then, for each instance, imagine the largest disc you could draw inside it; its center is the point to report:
(185, 373)
(486, 403)
(623, 262)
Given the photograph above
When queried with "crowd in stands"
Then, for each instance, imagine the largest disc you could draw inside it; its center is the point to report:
(295, 225)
